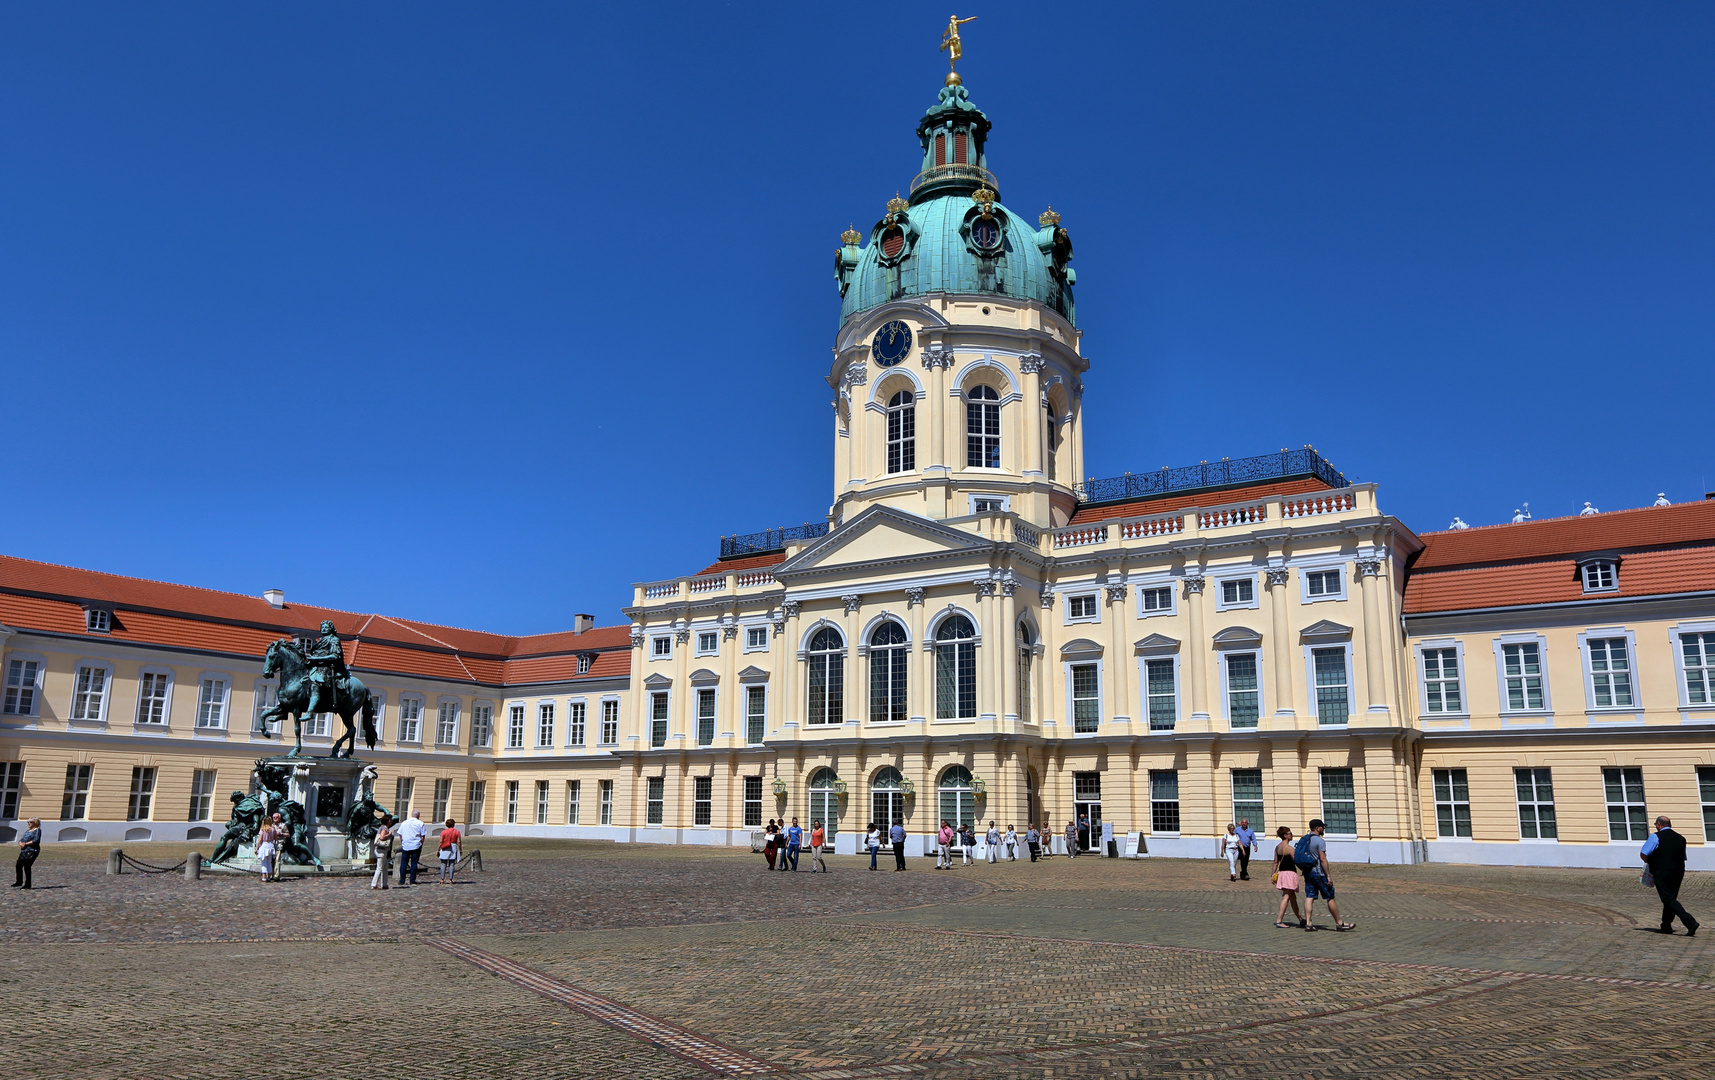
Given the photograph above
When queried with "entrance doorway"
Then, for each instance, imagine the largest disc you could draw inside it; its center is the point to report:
(1087, 809)
(887, 798)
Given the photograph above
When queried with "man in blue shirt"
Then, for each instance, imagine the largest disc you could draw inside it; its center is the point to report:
(896, 837)
(794, 843)
(1664, 854)
(1247, 844)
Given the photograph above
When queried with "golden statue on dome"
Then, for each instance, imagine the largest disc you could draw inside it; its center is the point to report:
(954, 49)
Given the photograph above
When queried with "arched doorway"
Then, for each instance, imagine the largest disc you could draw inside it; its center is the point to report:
(958, 798)
(887, 797)
(824, 801)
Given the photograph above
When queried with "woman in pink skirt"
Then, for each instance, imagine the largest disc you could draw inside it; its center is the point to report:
(1286, 878)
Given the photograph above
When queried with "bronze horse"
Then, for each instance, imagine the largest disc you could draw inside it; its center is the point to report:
(351, 697)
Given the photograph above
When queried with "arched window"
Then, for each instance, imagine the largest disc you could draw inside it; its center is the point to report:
(1026, 654)
(956, 670)
(902, 432)
(982, 428)
(826, 704)
(958, 801)
(888, 655)
(940, 150)
(824, 801)
(1053, 438)
(887, 798)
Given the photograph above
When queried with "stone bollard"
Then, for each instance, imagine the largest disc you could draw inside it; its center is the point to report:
(115, 861)
(476, 861)
(193, 866)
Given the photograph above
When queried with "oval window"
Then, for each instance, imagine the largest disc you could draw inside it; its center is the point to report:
(892, 243)
(985, 232)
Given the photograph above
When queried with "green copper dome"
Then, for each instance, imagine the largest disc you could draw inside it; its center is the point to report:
(953, 235)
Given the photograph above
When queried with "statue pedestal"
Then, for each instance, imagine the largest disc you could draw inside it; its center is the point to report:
(327, 788)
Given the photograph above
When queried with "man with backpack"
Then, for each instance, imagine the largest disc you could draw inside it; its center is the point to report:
(1310, 855)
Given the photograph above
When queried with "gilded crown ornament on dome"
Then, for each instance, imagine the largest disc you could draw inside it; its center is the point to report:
(1048, 217)
(897, 205)
(984, 198)
(850, 236)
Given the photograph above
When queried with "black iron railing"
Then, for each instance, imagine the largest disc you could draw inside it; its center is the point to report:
(1227, 472)
(769, 539)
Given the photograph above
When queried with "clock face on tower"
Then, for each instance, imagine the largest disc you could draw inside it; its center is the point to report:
(892, 343)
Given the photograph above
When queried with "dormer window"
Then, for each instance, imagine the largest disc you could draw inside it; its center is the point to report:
(1601, 575)
(97, 620)
(584, 660)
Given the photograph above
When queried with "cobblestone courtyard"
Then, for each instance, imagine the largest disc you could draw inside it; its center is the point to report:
(572, 959)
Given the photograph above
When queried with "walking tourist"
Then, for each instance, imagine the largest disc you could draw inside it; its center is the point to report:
(1228, 845)
(411, 835)
(29, 846)
(266, 850)
(794, 845)
(1072, 839)
(1310, 855)
(896, 837)
(1286, 879)
(1083, 833)
(993, 838)
(1033, 840)
(449, 852)
(1247, 844)
(872, 840)
(818, 837)
(770, 841)
(382, 848)
(1009, 840)
(1664, 854)
(944, 846)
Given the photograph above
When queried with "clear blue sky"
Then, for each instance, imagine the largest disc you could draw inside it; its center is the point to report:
(479, 313)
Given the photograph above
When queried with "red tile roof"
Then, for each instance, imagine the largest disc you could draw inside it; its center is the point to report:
(49, 598)
(1650, 526)
(749, 562)
(1167, 503)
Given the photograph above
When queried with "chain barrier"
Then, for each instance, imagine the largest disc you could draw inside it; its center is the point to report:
(148, 869)
(152, 870)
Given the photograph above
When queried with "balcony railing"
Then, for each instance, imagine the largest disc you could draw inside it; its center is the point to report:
(1227, 472)
(770, 539)
(955, 172)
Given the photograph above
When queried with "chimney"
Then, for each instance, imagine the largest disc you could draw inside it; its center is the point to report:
(275, 597)
(582, 623)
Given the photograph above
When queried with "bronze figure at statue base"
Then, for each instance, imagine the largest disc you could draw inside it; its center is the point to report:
(327, 809)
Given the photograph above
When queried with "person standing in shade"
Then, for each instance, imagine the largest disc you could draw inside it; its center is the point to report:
(944, 846)
(29, 847)
(1083, 833)
(1072, 839)
(449, 852)
(896, 837)
(1033, 840)
(967, 840)
(993, 838)
(872, 840)
(794, 844)
(1286, 879)
(770, 841)
(1664, 854)
(1228, 845)
(1247, 844)
(818, 837)
(411, 835)
(382, 848)
(1317, 880)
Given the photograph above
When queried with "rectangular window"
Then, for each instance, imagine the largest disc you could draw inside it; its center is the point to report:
(410, 720)
(1026, 664)
(1244, 699)
(1339, 802)
(1441, 681)
(142, 793)
(753, 802)
(1610, 673)
(756, 715)
(481, 724)
(1627, 818)
(1086, 698)
(708, 643)
(1081, 607)
(1599, 577)
(1238, 591)
(1247, 798)
(476, 797)
(1163, 694)
(658, 719)
(11, 787)
(604, 790)
(76, 801)
(402, 788)
(21, 687)
(1332, 704)
(662, 646)
(1522, 665)
(211, 704)
(1705, 794)
(755, 637)
(575, 724)
(1535, 804)
(89, 695)
(1156, 600)
(97, 621)
(584, 662)
(515, 727)
(202, 795)
(1163, 800)
(267, 696)
(541, 802)
(545, 724)
(1452, 803)
(447, 725)
(609, 723)
(443, 799)
(702, 800)
(705, 717)
(1698, 652)
(152, 698)
(1322, 583)
(574, 789)
(656, 800)
(980, 505)
(511, 802)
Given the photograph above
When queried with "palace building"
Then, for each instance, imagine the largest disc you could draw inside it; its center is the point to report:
(973, 633)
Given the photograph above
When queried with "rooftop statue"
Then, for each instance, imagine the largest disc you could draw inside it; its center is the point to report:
(317, 681)
(953, 47)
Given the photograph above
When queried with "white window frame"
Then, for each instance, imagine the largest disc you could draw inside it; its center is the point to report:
(754, 646)
(577, 721)
(661, 647)
(1631, 639)
(654, 809)
(543, 788)
(1144, 659)
(1594, 568)
(204, 783)
(702, 806)
(1172, 607)
(35, 683)
(1452, 802)
(1322, 798)
(225, 703)
(97, 620)
(604, 802)
(1005, 502)
(574, 800)
(698, 695)
(750, 687)
(601, 739)
(1221, 583)
(1625, 804)
(264, 695)
(1095, 615)
(713, 638)
(1675, 637)
(145, 782)
(1315, 710)
(74, 798)
(666, 719)
(1221, 657)
(1438, 644)
(547, 722)
(441, 722)
(441, 804)
(1338, 569)
(585, 662)
(475, 801)
(1541, 643)
(102, 698)
(511, 802)
(411, 709)
(1537, 805)
(1177, 802)
(404, 793)
(482, 723)
(1081, 660)
(380, 699)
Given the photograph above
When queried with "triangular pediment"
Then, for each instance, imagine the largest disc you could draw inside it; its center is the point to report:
(752, 674)
(1325, 630)
(1157, 643)
(1237, 636)
(882, 534)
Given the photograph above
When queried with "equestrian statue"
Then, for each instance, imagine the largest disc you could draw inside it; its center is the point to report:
(316, 680)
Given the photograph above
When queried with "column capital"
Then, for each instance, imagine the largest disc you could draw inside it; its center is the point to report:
(1369, 567)
(1278, 575)
(851, 601)
(913, 597)
(1193, 584)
